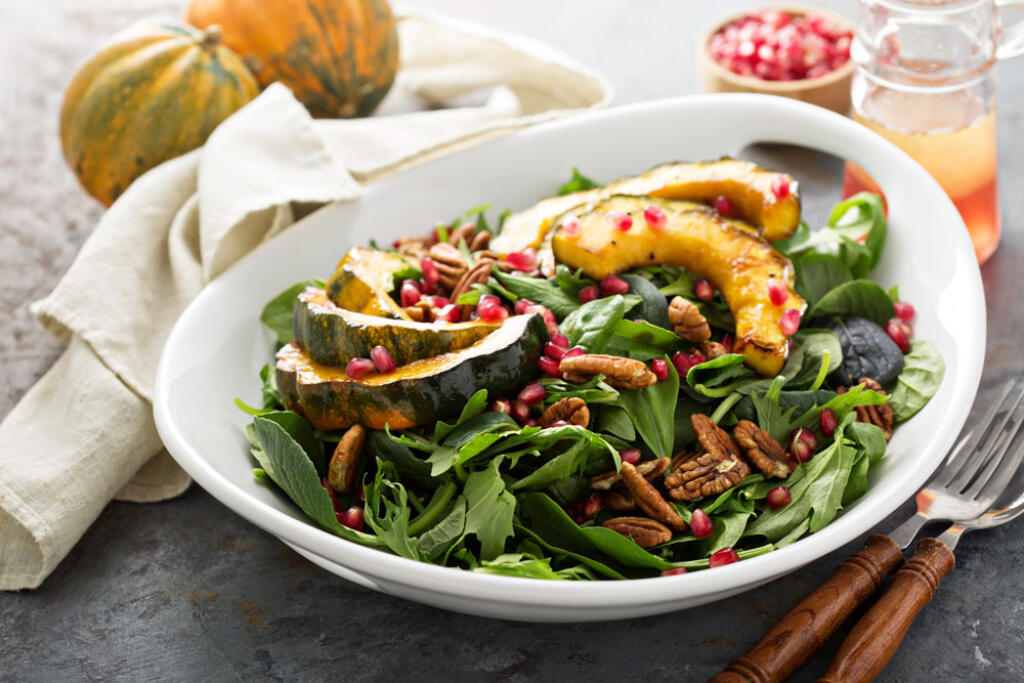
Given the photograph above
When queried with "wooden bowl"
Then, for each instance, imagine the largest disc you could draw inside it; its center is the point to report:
(831, 91)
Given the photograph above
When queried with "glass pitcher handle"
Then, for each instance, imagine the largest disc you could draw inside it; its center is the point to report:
(1011, 39)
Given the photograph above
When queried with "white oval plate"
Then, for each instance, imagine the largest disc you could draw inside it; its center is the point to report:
(217, 347)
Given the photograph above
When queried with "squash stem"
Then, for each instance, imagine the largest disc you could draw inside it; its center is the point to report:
(432, 513)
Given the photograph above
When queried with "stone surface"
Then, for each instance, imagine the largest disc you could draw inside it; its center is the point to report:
(186, 591)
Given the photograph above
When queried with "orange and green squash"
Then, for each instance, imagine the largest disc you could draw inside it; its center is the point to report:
(736, 261)
(334, 336)
(362, 282)
(418, 393)
(339, 57)
(154, 92)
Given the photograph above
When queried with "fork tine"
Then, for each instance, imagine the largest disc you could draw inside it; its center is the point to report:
(991, 451)
(969, 464)
(997, 475)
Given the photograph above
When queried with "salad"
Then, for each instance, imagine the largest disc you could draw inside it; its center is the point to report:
(667, 373)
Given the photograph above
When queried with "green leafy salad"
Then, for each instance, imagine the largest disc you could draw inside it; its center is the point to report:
(627, 380)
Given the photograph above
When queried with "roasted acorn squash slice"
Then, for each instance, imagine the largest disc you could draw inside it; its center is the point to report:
(746, 184)
(362, 280)
(737, 262)
(415, 394)
(333, 336)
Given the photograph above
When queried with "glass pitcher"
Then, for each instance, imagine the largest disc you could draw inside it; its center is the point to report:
(925, 81)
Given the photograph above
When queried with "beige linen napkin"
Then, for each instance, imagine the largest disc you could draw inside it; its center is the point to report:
(84, 433)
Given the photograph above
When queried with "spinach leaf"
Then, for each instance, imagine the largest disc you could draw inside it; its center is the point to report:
(592, 324)
(802, 401)
(855, 234)
(476, 404)
(920, 378)
(613, 419)
(817, 274)
(288, 465)
(589, 562)
(387, 512)
(518, 564)
(713, 374)
(437, 540)
(641, 340)
(544, 292)
(652, 411)
(489, 510)
(815, 346)
(577, 183)
(727, 530)
(653, 304)
(277, 314)
(556, 469)
(771, 416)
(856, 297)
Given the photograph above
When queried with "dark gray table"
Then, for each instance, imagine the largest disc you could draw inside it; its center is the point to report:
(186, 590)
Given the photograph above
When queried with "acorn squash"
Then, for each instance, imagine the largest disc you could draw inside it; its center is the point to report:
(737, 262)
(334, 336)
(339, 57)
(747, 185)
(154, 92)
(415, 394)
(362, 280)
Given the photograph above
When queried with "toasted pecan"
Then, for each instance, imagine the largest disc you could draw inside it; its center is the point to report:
(649, 499)
(645, 532)
(763, 451)
(882, 415)
(341, 473)
(571, 409)
(619, 372)
(687, 320)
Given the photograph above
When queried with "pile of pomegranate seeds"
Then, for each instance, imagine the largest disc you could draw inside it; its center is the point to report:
(775, 46)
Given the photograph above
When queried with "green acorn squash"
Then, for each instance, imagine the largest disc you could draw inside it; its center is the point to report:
(362, 282)
(415, 394)
(334, 336)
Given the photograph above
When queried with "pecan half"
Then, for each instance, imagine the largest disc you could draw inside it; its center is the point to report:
(687, 320)
(766, 453)
(463, 232)
(713, 438)
(621, 373)
(712, 350)
(572, 410)
(650, 469)
(646, 533)
(412, 248)
(477, 275)
(480, 241)
(341, 473)
(648, 498)
(619, 501)
(450, 262)
(717, 469)
(881, 415)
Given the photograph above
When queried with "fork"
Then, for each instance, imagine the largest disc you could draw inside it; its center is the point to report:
(966, 484)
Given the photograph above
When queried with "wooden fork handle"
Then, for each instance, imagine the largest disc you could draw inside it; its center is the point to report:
(878, 634)
(791, 641)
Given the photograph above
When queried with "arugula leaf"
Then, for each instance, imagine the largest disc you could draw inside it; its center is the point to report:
(577, 183)
(652, 411)
(594, 390)
(802, 401)
(771, 416)
(433, 511)
(387, 512)
(922, 374)
(299, 429)
(817, 274)
(287, 464)
(653, 305)
(277, 314)
(518, 564)
(410, 468)
(476, 404)
(571, 281)
(489, 510)
(437, 540)
(842, 405)
(682, 286)
(269, 391)
(544, 292)
(592, 324)
(591, 563)
(856, 297)
(855, 234)
(561, 467)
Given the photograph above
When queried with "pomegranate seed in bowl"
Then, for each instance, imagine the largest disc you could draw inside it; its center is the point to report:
(700, 524)
(790, 322)
(589, 293)
(723, 557)
(410, 293)
(382, 359)
(779, 497)
(523, 304)
(723, 205)
(533, 393)
(630, 455)
(660, 368)
(522, 260)
(900, 332)
(704, 290)
(549, 366)
(430, 271)
(827, 423)
(904, 311)
(614, 285)
(674, 571)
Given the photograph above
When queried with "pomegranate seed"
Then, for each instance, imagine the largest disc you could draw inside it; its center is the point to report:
(630, 455)
(780, 186)
(790, 322)
(723, 205)
(904, 310)
(558, 423)
(655, 217)
(614, 285)
(549, 318)
(430, 271)
(778, 293)
(723, 557)
(493, 313)
(828, 423)
(681, 360)
(410, 293)
(449, 314)
(502, 405)
(589, 293)
(439, 301)
(353, 518)
(571, 227)
(593, 504)
(696, 358)
(552, 350)
(530, 422)
(549, 366)
(560, 340)
(800, 450)
(807, 436)
(522, 304)
(898, 331)
(520, 411)
(574, 351)
(779, 497)
(704, 290)
(488, 300)
(358, 368)
(533, 393)
(427, 287)
(522, 260)
(727, 342)
(382, 359)
(700, 524)
(674, 571)
(660, 368)
(621, 221)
